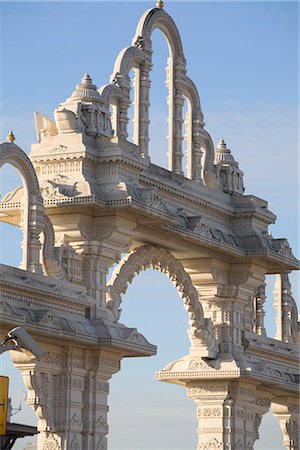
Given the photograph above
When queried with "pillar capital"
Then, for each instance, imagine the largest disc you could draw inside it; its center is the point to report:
(286, 410)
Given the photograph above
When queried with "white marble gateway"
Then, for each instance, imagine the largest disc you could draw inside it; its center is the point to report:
(90, 195)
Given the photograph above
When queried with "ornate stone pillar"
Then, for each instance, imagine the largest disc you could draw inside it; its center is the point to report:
(259, 301)
(95, 269)
(196, 166)
(283, 305)
(68, 389)
(91, 122)
(178, 135)
(31, 224)
(35, 227)
(143, 108)
(175, 120)
(229, 413)
(99, 243)
(286, 411)
(122, 109)
(226, 294)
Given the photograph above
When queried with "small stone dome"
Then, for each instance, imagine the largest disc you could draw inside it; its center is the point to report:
(85, 90)
(223, 154)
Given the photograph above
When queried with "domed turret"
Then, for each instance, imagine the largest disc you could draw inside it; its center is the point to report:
(223, 154)
(85, 90)
(231, 176)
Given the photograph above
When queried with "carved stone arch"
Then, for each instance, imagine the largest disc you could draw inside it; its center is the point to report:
(194, 125)
(14, 155)
(190, 90)
(33, 208)
(128, 58)
(157, 258)
(110, 92)
(209, 169)
(158, 18)
(112, 95)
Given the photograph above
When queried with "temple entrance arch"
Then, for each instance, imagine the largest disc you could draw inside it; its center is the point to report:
(158, 258)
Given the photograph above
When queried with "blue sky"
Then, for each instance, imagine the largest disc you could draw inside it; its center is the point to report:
(243, 58)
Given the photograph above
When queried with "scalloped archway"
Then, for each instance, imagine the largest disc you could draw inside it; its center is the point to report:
(158, 258)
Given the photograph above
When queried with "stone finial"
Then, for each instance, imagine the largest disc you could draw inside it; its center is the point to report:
(86, 79)
(10, 137)
(160, 4)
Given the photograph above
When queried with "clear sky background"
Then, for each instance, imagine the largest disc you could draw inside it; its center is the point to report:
(243, 58)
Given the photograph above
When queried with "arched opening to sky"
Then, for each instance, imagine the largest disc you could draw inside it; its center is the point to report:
(10, 236)
(145, 413)
(158, 111)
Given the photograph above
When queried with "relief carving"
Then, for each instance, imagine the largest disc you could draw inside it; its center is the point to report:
(75, 421)
(51, 444)
(209, 412)
(212, 388)
(52, 358)
(213, 444)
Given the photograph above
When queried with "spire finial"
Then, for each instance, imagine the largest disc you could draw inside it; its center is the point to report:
(10, 137)
(222, 144)
(160, 4)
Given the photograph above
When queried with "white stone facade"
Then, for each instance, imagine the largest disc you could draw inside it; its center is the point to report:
(89, 196)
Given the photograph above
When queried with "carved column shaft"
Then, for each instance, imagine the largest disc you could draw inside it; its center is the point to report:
(144, 104)
(122, 110)
(178, 135)
(196, 169)
(123, 119)
(283, 305)
(68, 388)
(94, 277)
(91, 128)
(259, 300)
(227, 314)
(227, 299)
(32, 226)
(228, 413)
